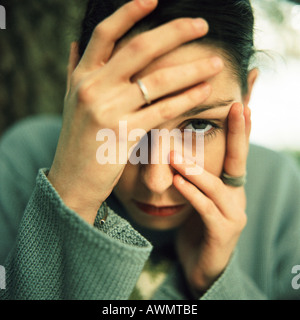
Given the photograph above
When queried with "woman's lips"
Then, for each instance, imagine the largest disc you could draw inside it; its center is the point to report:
(162, 211)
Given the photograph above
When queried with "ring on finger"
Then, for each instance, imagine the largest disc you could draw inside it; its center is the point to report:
(232, 180)
(144, 91)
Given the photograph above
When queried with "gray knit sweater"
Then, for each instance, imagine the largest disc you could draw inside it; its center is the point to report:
(49, 252)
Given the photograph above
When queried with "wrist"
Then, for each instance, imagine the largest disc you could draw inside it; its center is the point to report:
(77, 198)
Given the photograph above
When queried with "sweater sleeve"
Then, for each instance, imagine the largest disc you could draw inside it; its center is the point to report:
(59, 256)
(234, 284)
(48, 251)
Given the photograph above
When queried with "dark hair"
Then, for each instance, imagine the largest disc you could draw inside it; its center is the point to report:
(231, 25)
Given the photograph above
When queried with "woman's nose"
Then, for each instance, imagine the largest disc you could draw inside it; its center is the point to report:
(157, 173)
(158, 178)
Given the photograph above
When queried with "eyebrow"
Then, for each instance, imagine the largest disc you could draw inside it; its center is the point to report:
(204, 107)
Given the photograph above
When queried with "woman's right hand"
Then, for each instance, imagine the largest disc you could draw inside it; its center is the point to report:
(100, 93)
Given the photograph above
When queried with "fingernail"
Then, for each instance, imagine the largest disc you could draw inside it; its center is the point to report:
(178, 158)
(181, 180)
(189, 161)
(200, 24)
(147, 2)
(216, 62)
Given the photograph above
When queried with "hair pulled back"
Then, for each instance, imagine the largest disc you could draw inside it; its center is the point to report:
(231, 25)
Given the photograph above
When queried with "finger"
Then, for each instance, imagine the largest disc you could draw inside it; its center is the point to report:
(247, 115)
(209, 184)
(174, 79)
(171, 107)
(73, 61)
(202, 204)
(111, 29)
(236, 147)
(154, 43)
(162, 82)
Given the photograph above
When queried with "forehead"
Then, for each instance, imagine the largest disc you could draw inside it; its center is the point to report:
(224, 84)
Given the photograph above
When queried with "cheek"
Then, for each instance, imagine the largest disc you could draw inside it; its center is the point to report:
(214, 154)
(127, 182)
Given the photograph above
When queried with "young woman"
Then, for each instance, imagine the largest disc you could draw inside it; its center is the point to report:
(148, 230)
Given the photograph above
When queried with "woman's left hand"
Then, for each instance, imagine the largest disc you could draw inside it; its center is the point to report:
(207, 240)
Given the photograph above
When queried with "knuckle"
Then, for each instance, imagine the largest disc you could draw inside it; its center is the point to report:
(138, 44)
(204, 69)
(179, 24)
(165, 112)
(101, 31)
(159, 79)
(209, 206)
(98, 31)
(102, 115)
(218, 186)
(84, 93)
(183, 26)
(241, 221)
(129, 11)
(194, 96)
(75, 79)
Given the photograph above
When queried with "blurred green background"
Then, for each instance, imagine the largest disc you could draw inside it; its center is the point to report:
(34, 53)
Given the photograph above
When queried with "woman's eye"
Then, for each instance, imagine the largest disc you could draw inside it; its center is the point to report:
(195, 125)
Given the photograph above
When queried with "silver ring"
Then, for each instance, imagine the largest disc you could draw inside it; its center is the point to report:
(233, 181)
(144, 91)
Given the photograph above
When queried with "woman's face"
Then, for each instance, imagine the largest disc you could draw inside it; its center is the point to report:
(146, 190)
